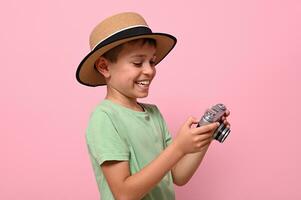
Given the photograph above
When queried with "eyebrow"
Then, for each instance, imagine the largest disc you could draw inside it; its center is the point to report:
(141, 55)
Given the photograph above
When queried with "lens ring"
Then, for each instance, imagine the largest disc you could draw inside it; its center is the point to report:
(222, 133)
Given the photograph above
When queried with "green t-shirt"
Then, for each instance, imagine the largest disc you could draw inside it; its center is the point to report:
(115, 132)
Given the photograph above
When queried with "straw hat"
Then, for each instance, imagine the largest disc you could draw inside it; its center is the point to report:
(113, 31)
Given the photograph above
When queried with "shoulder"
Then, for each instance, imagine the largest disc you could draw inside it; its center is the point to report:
(101, 122)
(104, 109)
(107, 113)
(101, 116)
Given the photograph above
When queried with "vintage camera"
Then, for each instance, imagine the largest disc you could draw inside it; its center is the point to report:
(215, 114)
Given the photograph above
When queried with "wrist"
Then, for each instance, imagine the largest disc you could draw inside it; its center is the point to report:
(176, 149)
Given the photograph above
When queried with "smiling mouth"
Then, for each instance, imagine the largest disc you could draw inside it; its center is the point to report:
(143, 83)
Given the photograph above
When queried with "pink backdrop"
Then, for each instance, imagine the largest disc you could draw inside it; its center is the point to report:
(245, 54)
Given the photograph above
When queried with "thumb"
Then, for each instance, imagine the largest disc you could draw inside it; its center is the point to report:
(191, 120)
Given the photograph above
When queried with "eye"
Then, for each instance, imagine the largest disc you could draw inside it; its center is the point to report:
(138, 64)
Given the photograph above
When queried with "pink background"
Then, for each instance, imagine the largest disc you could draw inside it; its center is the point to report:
(245, 54)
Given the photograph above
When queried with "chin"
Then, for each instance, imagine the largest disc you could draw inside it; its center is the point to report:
(142, 95)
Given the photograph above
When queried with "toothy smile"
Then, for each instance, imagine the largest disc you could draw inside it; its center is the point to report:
(144, 82)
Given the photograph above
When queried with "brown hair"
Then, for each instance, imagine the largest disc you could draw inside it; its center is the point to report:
(113, 53)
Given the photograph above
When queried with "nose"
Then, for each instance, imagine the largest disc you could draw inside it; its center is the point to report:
(149, 69)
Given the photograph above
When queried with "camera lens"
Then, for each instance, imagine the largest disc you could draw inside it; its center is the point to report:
(221, 133)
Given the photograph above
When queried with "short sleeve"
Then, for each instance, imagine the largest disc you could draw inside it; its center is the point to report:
(168, 138)
(103, 140)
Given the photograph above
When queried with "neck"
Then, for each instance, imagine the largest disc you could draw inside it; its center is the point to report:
(125, 101)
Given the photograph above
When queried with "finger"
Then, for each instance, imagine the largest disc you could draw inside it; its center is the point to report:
(228, 125)
(206, 128)
(204, 137)
(203, 144)
(227, 113)
(226, 122)
(190, 121)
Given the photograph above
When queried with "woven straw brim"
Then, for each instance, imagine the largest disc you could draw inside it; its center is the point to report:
(87, 75)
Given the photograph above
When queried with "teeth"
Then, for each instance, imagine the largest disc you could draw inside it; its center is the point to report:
(143, 82)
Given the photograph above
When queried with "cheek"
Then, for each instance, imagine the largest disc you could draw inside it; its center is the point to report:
(153, 73)
(125, 78)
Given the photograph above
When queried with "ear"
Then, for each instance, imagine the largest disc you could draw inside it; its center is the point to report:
(102, 65)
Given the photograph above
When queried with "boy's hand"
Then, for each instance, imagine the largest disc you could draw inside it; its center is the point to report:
(224, 118)
(190, 139)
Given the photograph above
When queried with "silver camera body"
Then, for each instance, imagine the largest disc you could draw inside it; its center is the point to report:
(214, 114)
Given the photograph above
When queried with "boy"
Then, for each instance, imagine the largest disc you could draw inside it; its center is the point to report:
(131, 150)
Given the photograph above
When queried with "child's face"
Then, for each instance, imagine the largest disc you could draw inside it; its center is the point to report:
(135, 63)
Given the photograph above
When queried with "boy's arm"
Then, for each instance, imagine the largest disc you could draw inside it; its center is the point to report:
(186, 167)
(125, 186)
